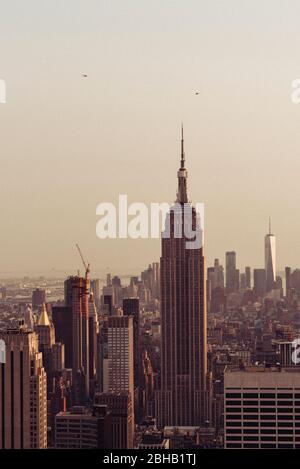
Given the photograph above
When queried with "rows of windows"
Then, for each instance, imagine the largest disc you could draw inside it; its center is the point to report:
(263, 395)
(262, 410)
(262, 403)
(263, 445)
(252, 431)
(262, 424)
(261, 438)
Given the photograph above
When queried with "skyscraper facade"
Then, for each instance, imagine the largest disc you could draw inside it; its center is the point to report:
(23, 392)
(259, 276)
(120, 354)
(38, 297)
(215, 275)
(181, 400)
(121, 406)
(262, 407)
(231, 276)
(78, 289)
(248, 277)
(131, 307)
(82, 428)
(62, 320)
(93, 338)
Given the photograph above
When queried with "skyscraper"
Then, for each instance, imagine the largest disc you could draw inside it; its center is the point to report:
(262, 407)
(46, 336)
(270, 259)
(95, 289)
(259, 276)
(181, 400)
(216, 275)
(62, 320)
(287, 279)
(248, 277)
(93, 338)
(45, 330)
(102, 360)
(121, 406)
(82, 428)
(23, 392)
(131, 307)
(120, 354)
(243, 282)
(230, 271)
(38, 297)
(78, 289)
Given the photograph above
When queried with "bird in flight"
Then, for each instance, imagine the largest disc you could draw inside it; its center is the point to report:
(84, 75)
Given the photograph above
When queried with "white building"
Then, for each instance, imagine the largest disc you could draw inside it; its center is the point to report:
(262, 407)
(270, 260)
(120, 354)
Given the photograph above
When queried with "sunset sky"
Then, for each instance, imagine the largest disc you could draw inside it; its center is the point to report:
(69, 142)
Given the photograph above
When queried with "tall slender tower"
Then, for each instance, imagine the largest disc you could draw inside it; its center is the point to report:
(23, 391)
(121, 354)
(77, 294)
(93, 337)
(182, 398)
(270, 259)
(230, 271)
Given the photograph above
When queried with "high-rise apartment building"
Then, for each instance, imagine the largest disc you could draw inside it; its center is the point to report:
(120, 354)
(23, 392)
(78, 290)
(58, 357)
(38, 297)
(121, 406)
(93, 339)
(131, 307)
(181, 400)
(262, 407)
(81, 428)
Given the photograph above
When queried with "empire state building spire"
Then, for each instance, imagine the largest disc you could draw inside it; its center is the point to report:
(182, 175)
(183, 398)
(182, 149)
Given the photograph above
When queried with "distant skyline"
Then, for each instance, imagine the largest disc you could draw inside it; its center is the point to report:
(69, 142)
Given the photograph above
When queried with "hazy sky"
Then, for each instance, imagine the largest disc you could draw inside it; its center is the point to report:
(69, 143)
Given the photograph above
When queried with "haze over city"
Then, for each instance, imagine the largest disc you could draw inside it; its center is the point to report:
(150, 253)
(69, 142)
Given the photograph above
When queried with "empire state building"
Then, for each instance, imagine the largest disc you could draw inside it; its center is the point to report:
(181, 400)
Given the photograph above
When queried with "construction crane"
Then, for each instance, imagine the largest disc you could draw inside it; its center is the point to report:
(86, 266)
